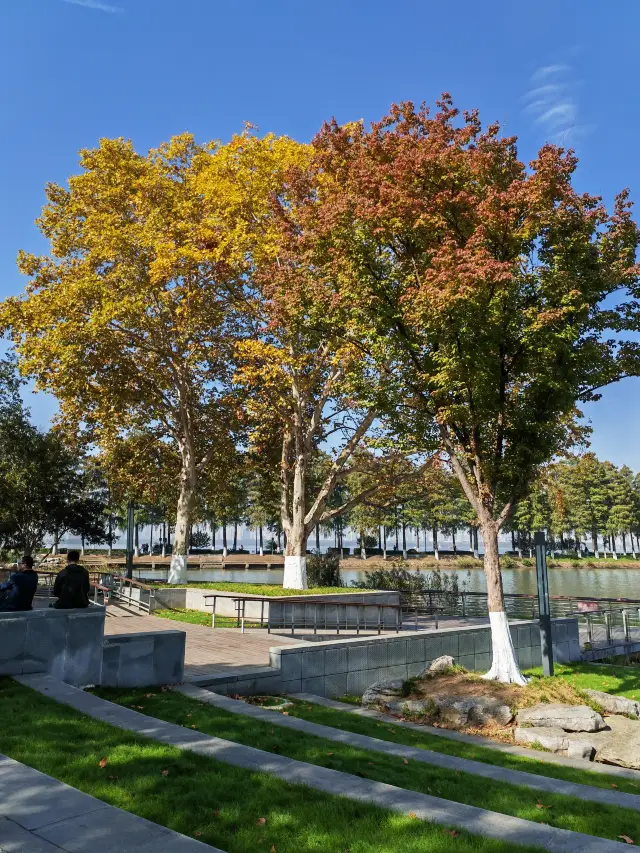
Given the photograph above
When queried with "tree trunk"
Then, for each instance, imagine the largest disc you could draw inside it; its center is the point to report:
(453, 540)
(614, 553)
(164, 539)
(594, 543)
(225, 550)
(504, 666)
(318, 538)
(624, 543)
(188, 481)
(235, 536)
(418, 540)
(136, 540)
(213, 535)
(435, 542)
(260, 541)
(363, 549)
(384, 541)
(82, 544)
(476, 549)
(404, 537)
(54, 547)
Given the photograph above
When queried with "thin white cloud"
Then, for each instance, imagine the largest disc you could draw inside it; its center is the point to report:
(548, 70)
(552, 103)
(96, 4)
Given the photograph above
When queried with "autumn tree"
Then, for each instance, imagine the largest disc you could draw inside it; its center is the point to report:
(482, 283)
(126, 320)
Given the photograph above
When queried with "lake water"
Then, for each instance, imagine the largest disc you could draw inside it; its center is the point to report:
(600, 583)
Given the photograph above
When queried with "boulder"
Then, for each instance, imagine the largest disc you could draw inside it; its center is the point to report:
(582, 749)
(412, 707)
(382, 692)
(620, 745)
(615, 704)
(553, 739)
(441, 664)
(571, 718)
(454, 711)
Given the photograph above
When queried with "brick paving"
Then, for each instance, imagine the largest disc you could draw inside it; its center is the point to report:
(208, 651)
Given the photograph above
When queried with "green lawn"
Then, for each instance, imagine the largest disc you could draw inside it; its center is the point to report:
(263, 589)
(620, 680)
(564, 812)
(231, 808)
(196, 617)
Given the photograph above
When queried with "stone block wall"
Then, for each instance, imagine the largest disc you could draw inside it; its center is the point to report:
(141, 660)
(340, 667)
(65, 643)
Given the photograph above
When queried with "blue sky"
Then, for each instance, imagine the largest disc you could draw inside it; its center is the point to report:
(73, 71)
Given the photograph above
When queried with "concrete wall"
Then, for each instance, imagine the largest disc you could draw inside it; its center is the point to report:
(341, 667)
(65, 643)
(140, 660)
(194, 599)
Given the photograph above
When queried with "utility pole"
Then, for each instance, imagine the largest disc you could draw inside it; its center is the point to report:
(130, 525)
(544, 608)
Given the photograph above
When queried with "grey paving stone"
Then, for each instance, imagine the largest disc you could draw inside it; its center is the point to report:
(335, 660)
(103, 832)
(15, 839)
(466, 643)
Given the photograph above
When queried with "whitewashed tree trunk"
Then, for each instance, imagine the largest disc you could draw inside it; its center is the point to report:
(188, 479)
(384, 541)
(504, 665)
(295, 559)
(436, 554)
(261, 542)
(225, 549)
(363, 549)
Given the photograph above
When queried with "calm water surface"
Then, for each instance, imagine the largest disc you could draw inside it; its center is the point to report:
(600, 583)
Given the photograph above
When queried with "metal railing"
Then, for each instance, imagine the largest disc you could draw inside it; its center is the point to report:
(517, 605)
(605, 628)
(316, 615)
(121, 589)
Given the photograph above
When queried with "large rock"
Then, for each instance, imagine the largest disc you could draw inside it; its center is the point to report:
(454, 711)
(553, 739)
(620, 745)
(383, 692)
(571, 718)
(582, 749)
(615, 704)
(441, 664)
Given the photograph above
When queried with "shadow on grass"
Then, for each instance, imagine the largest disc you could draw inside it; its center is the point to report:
(231, 808)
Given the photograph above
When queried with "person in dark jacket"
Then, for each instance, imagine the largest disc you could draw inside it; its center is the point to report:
(72, 585)
(17, 593)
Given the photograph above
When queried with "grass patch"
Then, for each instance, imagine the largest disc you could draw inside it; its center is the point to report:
(386, 730)
(561, 811)
(197, 617)
(262, 589)
(618, 680)
(231, 808)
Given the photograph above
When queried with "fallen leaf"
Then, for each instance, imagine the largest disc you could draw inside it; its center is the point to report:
(216, 812)
(165, 772)
(452, 832)
(413, 816)
(262, 821)
(404, 761)
(148, 695)
(103, 762)
(189, 715)
(193, 726)
(614, 786)
(273, 848)
(329, 753)
(197, 833)
(285, 713)
(626, 839)
(540, 805)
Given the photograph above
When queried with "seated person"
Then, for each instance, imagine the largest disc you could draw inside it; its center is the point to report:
(72, 585)
(17, 593)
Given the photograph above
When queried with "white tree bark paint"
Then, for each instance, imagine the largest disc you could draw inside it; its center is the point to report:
(295, 572)
(504, 666)
(178, 569)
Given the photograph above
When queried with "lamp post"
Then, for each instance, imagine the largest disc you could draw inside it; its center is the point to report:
(129, 564)
(544, 609)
